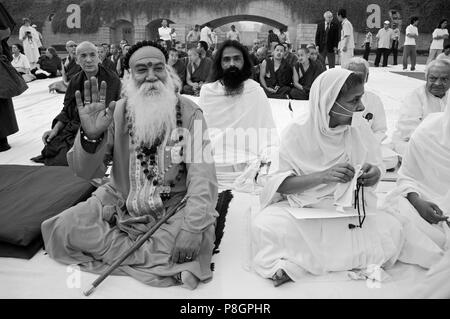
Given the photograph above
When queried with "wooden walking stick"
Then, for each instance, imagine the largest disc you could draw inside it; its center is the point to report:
(135, 247)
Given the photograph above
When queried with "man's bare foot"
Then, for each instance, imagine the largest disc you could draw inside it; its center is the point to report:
(280, 277)
(189, 280)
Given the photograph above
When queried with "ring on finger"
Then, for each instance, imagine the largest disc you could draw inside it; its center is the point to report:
(102, 100)
(87, 102)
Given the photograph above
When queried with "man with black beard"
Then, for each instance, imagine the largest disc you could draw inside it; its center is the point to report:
(160, 159)
(233, 103)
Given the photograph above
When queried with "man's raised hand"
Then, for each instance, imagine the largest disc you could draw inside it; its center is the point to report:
(95, 117)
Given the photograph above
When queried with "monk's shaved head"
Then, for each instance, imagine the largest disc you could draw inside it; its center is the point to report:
(86, 45)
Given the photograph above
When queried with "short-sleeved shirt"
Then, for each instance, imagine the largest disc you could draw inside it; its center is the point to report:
(347, 29)
(384, 38)
(204, 35)
(164, 33)
(233, 35)
(438, 44)
(411, 30)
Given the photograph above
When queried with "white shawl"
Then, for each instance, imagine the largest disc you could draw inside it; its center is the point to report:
(226, 116)
(311, 146)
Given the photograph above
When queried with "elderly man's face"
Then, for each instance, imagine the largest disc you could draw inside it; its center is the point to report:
(328, 18)
(87, 58)
(232, 57)
(71, 48)
(149, 70)
(438, 80)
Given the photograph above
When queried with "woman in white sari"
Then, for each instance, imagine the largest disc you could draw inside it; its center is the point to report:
(422, 196)
(319, 158)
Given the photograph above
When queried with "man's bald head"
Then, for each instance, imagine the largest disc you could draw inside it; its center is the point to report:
(87, 57)
(437, 75)
(71, 47)
(358, 65)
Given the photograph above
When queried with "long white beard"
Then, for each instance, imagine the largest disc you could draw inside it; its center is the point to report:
(152, 108)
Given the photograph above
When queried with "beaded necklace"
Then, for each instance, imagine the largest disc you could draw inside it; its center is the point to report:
(147, 155)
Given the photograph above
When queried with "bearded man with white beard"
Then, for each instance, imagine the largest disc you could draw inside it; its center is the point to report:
(157, 162)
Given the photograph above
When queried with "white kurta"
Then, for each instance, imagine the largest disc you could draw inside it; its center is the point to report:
(30, 46)
(426, 171)
(415, 108)
(318, 245)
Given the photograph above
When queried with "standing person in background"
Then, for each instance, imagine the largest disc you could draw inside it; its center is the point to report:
(409, 48)
(104, 60)
(366, 45)
(8, 89)
(439, 35)
(215, 39)
(173, 37)
(30, 39)
(205, 34)
(327, 39)
(395, 42)
(193, 37)
(233, 34)
(164, 33)
(347, 43)
(384, 37)
(120, 65)
(40, 39)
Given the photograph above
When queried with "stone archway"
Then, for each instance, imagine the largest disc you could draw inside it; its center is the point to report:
(151, 29)
(246, 37)
(122, 29)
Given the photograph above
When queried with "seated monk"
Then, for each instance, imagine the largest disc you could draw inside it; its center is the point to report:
(304, 73)
(197, 72)
(429, 98)
(149, 134)
(68, 70)
(374, 111)
(235, 106)
(276, 74)
(324, 160)
(422, 195)
(65, 126)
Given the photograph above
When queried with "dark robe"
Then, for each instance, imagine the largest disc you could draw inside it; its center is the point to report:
(306, 80)
(55, 151)
(8, 122)
(71, 69)
(200, 74)
(51, 65)
(180, 68)
(109, 65)
(281, 78)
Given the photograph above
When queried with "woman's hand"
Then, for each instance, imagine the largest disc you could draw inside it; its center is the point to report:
(427, 210)
(371, 175)
(339, 173)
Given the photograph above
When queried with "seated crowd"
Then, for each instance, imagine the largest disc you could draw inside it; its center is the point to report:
(331, 161)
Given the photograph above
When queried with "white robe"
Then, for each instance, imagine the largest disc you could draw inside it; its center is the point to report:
(315, 245)
(30, 47)
(415, 108)
(247, 114)
(425, 170)
(374, 105)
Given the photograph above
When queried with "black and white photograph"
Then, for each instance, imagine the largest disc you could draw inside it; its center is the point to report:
(224, 154)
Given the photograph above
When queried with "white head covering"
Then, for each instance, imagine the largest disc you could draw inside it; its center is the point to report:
(312, 146)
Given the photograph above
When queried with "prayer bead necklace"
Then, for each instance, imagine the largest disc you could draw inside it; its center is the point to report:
(147, 156)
